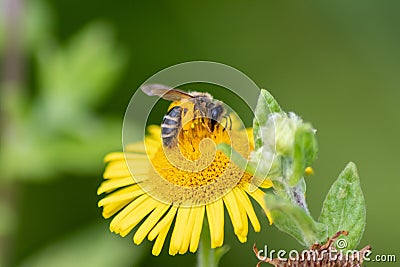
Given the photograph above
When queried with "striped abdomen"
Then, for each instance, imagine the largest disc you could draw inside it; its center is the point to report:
(171, 125)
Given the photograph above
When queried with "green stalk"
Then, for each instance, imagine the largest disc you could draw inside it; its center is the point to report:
(207, 256)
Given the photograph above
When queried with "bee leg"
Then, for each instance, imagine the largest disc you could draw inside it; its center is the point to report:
(208, 127)
(202, 115)
(204, 123)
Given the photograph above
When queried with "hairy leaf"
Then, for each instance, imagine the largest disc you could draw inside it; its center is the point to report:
(344, 207)
(295, 221)
(266, 105)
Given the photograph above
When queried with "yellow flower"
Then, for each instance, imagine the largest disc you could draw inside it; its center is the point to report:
(157, 189)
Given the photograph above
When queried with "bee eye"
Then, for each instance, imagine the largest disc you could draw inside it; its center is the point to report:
(216, 112)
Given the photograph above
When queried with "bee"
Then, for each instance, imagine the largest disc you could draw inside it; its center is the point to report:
(189, 105)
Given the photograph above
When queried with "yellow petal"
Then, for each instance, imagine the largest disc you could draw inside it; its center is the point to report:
(198, 224)
(243, 218)
(178, 234)
(188, 231)
(267, 183)
(245, 202)
(110, 185)
(123, 156)
(161, 238)
(234, 212)
(154, 131)
(119, 168)
(110, 209)
(116, 173)
(127, 193)
(141, 167)
(117, 165)
(149, 147)
(250, 137)
(258, 195)
(115, 223)
(116, 201)
(161, 230)
(137, 147)
(149, 223)
(152, 146)
(136, 215)
(114, 156)
(215, 215)
(161, 224)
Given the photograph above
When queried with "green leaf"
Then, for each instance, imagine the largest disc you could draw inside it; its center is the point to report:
(272, 104)
(73, 80)
(77, 77)
(295, 221)
(344, 207)
(266, 105)
(89, 246)
(305, 151)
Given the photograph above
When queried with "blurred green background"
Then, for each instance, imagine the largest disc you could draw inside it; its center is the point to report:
(69, 69)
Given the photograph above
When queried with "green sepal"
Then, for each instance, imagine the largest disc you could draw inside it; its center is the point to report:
(220, 252)
(305, 151)
(266, 105)
(344, 207)
(295, 221)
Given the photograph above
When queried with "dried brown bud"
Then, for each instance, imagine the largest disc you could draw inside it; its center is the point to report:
(318, 255)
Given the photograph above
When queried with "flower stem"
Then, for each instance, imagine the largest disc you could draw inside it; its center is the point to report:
(205, 255)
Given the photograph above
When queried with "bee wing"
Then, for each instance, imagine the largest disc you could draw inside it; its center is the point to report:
(165, 92)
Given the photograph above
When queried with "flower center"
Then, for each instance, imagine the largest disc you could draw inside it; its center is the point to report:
(195, 160)
(194, 171)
